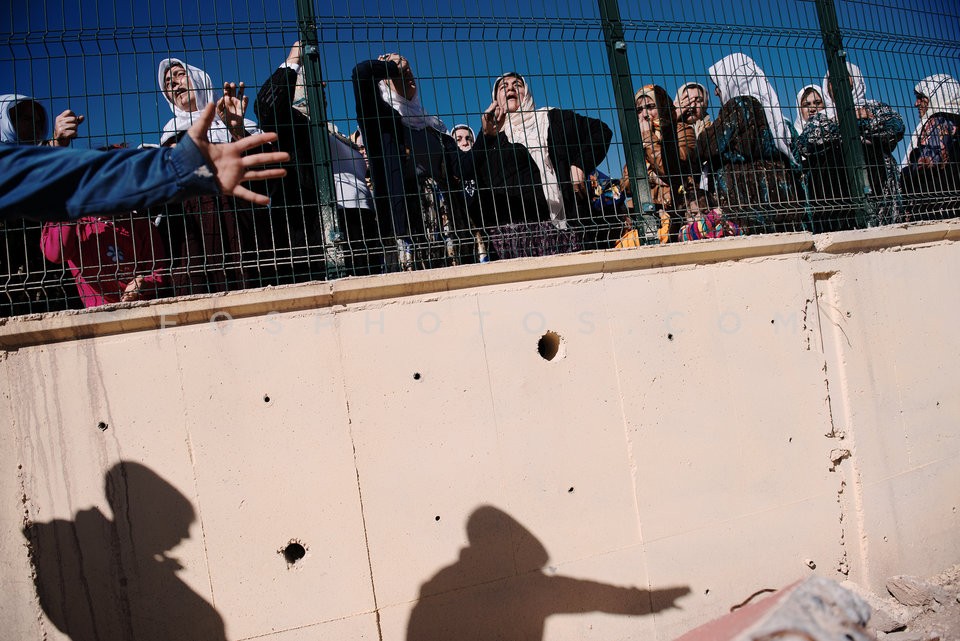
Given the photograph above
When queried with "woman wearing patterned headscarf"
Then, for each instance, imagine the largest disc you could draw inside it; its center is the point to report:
(747, 151)
(931, 165)
(531, 166)
(819, 144)
(670, 152)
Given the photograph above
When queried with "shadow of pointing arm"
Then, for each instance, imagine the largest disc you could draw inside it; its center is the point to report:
(568, 595)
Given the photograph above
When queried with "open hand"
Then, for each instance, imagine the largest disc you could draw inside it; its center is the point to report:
(230, 166)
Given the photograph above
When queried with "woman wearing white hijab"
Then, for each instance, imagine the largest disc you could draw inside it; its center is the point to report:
(747, 151)
(931, 164)
(187, 90)
(691, 102)
(209, 236)
(531, 166)
(809, 102)
(23, 121)
(819, 145)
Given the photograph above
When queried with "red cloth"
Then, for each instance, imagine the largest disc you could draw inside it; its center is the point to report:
(105, 254)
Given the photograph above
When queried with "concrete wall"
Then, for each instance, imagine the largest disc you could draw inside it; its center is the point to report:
(720, 418)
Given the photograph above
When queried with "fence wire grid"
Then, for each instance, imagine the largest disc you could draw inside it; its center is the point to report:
(426, 134)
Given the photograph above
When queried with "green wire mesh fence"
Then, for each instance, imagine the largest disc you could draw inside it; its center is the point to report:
(426, 134)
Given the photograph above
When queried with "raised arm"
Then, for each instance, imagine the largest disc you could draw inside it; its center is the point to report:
(60, 184)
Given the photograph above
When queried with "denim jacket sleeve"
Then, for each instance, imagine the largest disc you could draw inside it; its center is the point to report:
(45, 183)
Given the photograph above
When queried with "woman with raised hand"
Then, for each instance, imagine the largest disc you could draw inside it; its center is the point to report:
(411, 157)
(691, 103)
(819, 144)
(531, 166)
(188, 89)
(931, 165)
(24, 121)
(747, 150)
(282, 107)
(209, 238)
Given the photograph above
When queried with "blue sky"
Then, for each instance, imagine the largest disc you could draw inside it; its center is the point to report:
(100, 58)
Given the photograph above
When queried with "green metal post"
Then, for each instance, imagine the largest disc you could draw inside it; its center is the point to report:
(319, 140)
(626, 107)
(855, 165)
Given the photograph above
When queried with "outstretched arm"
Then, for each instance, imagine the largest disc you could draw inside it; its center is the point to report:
(58, 184)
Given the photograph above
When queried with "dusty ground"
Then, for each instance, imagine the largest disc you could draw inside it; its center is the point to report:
(916, 608)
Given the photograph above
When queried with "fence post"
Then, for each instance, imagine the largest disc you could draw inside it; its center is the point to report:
(626, 107)
(852, 150)
(319, 141)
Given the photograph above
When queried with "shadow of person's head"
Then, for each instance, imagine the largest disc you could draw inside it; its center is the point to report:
(152, 511)
(494, 534)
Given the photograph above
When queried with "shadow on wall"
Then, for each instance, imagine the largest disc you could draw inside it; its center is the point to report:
(498, 590)
(101, 580)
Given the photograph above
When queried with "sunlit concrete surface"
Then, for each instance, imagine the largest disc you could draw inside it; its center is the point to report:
(607, 445)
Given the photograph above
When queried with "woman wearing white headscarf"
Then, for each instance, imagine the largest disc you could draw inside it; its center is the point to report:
(24, 121)
(931, 165)
(207, 237)
(819, 145)
(809, 102)
(187, 90)
(691, 103)
(747, 151)
(531, 164)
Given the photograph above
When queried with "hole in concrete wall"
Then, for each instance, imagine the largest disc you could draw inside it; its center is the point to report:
(102, 426)
(790, 440)
(417, 376)
(436, 518)
(266, 398)
(293, 552)
(570, 491)
(771, 321)
(550, 346)
(707, 591)
(669, 337)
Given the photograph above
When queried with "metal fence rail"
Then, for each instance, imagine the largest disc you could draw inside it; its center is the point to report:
(666, 126)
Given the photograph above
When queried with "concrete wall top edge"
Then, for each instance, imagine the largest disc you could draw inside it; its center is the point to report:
(41, 329)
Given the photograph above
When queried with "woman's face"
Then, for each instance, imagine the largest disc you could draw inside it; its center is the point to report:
(30, 121)
(693, 103)
(406, 85)
(179, 89)
(510, 93)
(810, 104)
(647, 111)
(922, 103)
(464, 138)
